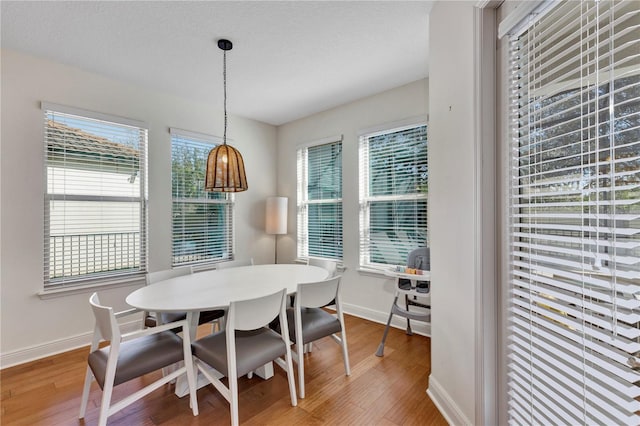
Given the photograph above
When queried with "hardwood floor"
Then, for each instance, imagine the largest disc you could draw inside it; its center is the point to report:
(380, 391)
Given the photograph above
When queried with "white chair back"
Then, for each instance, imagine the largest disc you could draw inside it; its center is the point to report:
(330, 265)
(154, 277)
(105, 319)
(255, 313)
(318, 294)
(234, 263)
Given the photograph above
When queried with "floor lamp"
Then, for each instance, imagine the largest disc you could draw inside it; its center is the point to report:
(276, 218)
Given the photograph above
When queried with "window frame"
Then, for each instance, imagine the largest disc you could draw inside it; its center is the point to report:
(225, 199)
(109, 278)
(303, 202)
(366, 199)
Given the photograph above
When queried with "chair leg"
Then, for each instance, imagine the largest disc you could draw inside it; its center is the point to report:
(300, 351)
(85, 392)
(345, 353)
(193, 387)
(380, 351)
(106, 402)
(233, 401)
(291, 378)
(406, 301)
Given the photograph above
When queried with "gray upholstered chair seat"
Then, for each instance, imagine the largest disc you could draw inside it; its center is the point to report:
(136, 360)
(316, 324)
(253, 349)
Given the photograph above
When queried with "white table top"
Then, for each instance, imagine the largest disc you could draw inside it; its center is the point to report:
(217, 288)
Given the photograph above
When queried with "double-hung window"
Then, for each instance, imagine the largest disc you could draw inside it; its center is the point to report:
(573, 333)
(319, 168)
(95, 197)
(393, 194)
(202, 221)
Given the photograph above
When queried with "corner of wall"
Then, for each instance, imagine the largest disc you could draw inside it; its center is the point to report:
(447, 406)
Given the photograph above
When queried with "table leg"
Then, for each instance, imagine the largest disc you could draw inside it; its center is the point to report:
(266, 371)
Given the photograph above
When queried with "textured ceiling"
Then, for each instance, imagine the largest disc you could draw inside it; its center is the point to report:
(290, 59)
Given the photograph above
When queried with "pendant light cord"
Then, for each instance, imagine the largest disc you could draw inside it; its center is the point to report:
(224, 79)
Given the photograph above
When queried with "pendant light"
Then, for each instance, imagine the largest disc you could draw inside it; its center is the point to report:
(225, 167)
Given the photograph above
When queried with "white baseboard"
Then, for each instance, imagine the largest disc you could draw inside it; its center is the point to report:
(417, 327)
(55, 347)
(447, 406)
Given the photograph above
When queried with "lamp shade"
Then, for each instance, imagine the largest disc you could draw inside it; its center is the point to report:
(276, 215)
(225, 170)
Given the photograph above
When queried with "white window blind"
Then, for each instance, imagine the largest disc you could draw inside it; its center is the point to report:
(202, 223)
(393, 195)
(573, 335)
(319, 197)
(95, 193)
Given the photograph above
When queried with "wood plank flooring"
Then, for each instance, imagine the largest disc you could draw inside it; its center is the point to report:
(380, 391)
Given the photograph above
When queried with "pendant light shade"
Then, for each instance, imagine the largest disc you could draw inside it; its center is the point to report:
(225, 170)
(225, 166)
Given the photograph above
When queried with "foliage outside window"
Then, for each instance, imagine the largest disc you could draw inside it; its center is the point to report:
(95, 196)
(319, 169)
(393, 195)
(201, 220)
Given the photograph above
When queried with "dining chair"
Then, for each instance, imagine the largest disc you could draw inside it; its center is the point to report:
(132, 355)
(415, 292)
(150, 319)
(330, 265)
(246, 344)
(308, 322)
(234, 263)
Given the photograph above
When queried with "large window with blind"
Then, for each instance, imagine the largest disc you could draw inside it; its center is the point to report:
(393, 195)
(319, 199)
(573, 320)
(201, 220)
(95, 197)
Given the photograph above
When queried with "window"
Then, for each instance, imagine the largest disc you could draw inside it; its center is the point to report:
(320, 200)
(573, 336)
(202, 221)
(393, 195)
(95, 193)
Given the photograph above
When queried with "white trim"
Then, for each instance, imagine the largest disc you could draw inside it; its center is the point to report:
(488, 4)
(517, 21)
(381, 317)
(70, 289)
(485, 258)
(447, 406)
(322, 141)
(407, 123)
(83, 113)
(33, 353)
(196, 135)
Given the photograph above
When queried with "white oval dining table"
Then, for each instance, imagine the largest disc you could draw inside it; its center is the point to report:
(216, 289)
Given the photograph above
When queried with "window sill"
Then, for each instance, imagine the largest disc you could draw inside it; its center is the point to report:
(89, 288)
(374, 273)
